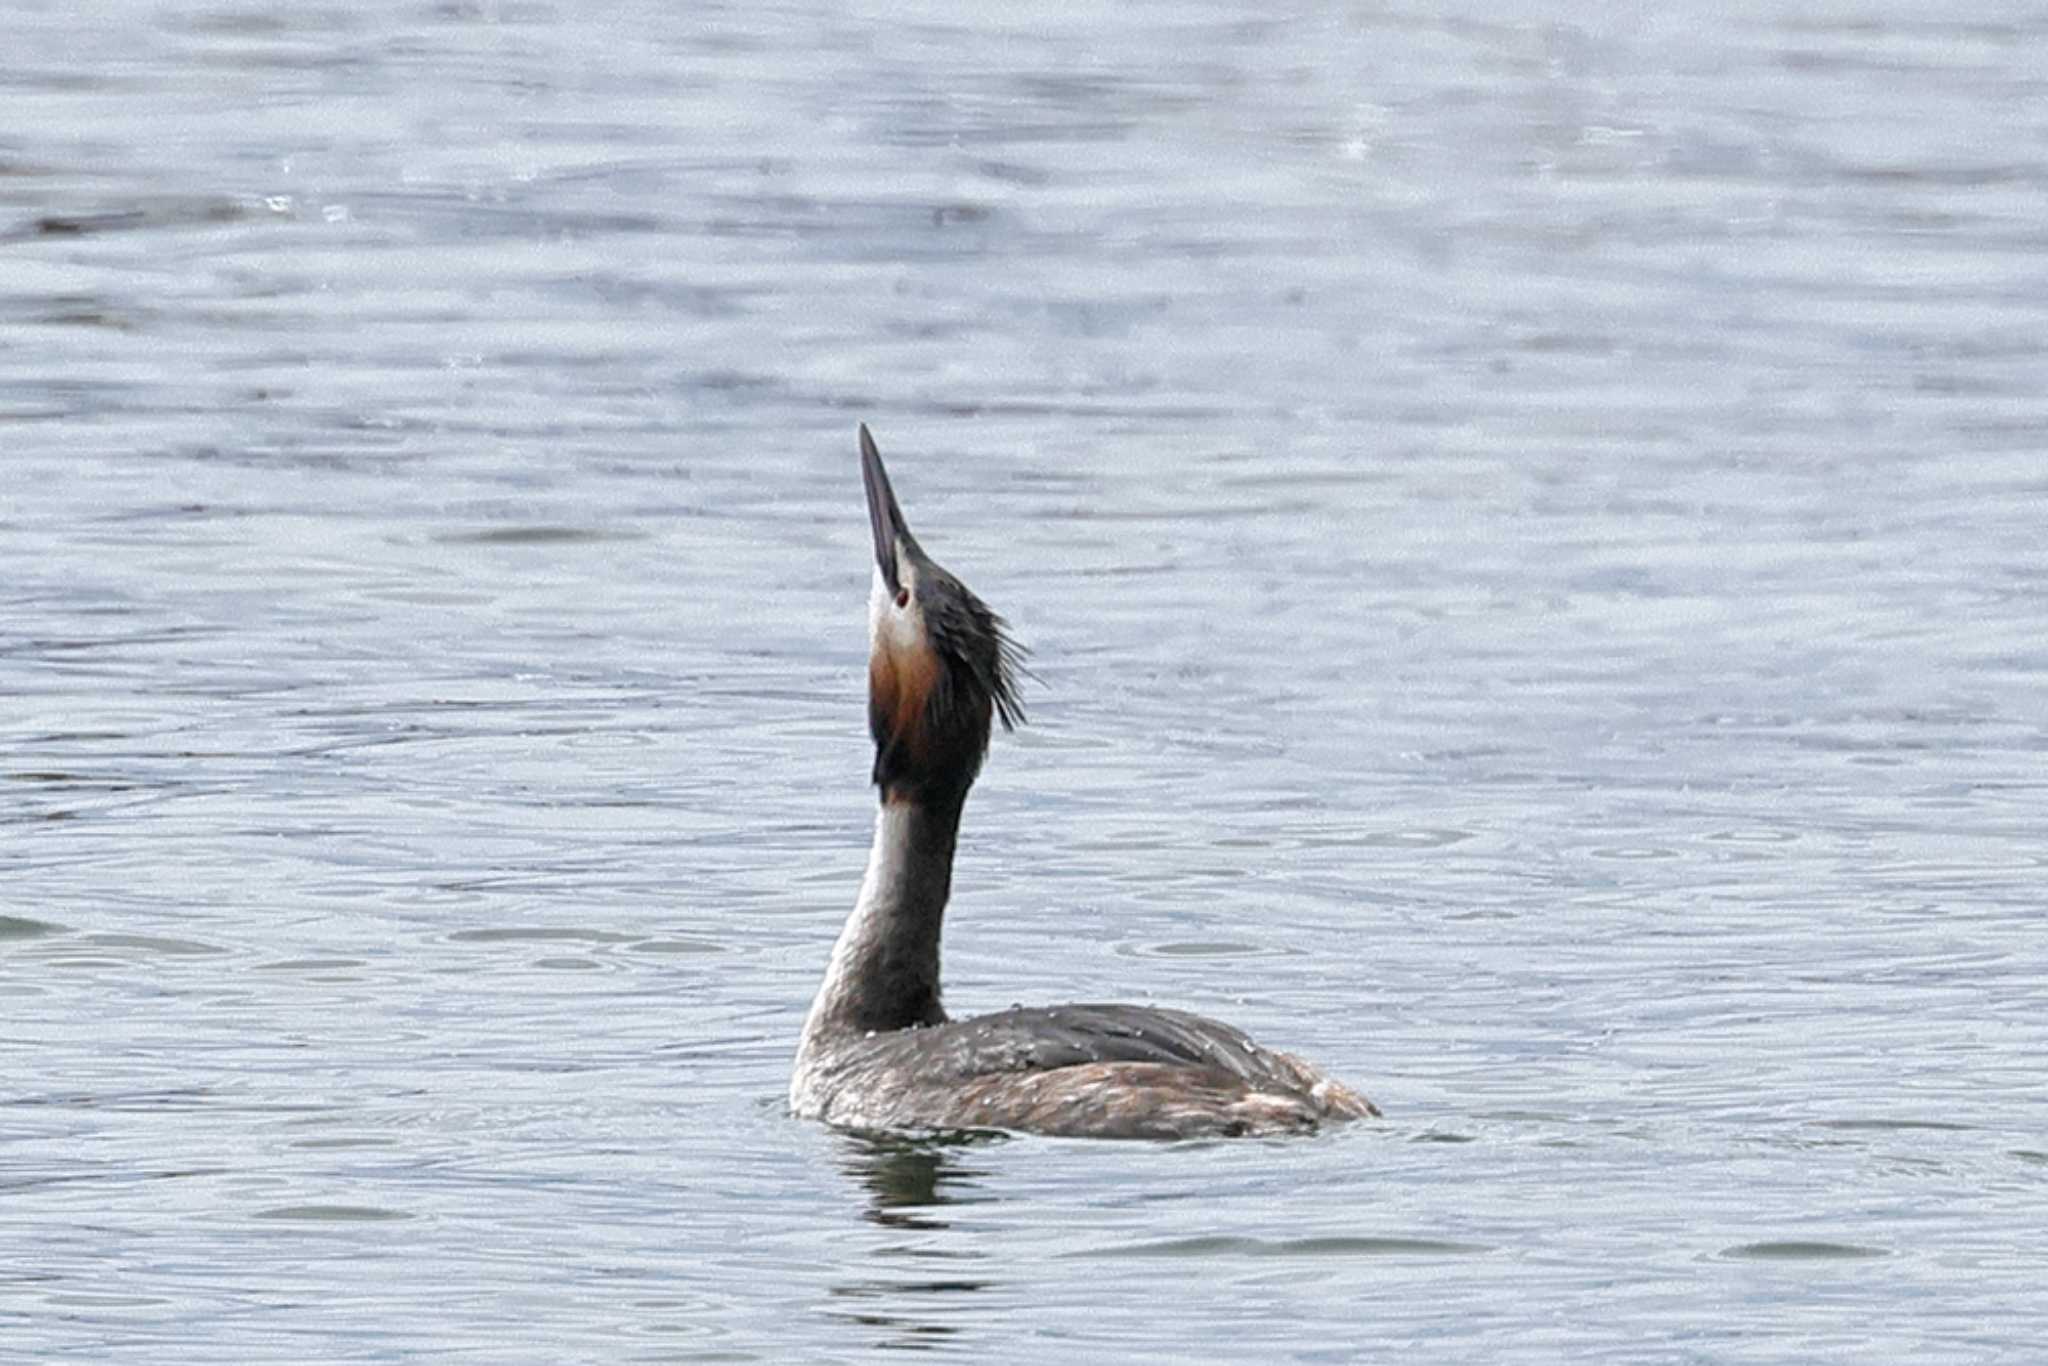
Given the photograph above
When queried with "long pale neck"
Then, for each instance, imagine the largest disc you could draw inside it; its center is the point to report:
(885, 967)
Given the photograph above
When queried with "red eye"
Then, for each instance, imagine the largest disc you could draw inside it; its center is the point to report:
(902, 598)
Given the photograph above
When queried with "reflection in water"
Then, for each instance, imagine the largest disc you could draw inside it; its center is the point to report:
(905, 1177)
(909, 1173)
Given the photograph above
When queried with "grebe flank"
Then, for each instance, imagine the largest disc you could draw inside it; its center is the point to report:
(878, 1051)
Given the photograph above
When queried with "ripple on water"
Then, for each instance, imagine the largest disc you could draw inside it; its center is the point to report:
(332, 1214)
(26, 927)
(1414, 838)
(537, 535)
(155, 944)
(678, 945)
(1802, 1250)
(1341, 1245)
(1752, 836)
(73, 1299)
(149, 1102)
(1202, 948)
(540, 934)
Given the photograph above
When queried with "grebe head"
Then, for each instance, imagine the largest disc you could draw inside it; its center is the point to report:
(941, 665)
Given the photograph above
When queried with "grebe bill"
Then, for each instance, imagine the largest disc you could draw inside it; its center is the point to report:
(878, 1051)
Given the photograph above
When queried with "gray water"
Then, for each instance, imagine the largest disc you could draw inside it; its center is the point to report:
(1531, 533)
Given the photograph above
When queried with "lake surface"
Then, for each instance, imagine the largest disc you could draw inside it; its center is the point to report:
(1532, 536)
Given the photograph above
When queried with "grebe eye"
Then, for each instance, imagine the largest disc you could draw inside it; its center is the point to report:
(902, 598)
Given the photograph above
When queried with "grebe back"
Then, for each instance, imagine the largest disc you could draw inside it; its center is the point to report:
(878, 1051)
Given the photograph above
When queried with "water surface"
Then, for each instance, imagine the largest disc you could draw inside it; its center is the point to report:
(1530, 530)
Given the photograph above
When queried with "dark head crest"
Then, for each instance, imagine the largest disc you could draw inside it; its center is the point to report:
(942, 666)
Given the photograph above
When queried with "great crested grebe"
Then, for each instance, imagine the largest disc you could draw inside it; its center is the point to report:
(878, 1051)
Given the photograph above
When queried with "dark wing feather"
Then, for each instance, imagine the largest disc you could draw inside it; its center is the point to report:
(1087, 1070)
(1043, 1038)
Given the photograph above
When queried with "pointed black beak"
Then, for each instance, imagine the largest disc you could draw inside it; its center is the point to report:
(883, 515)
